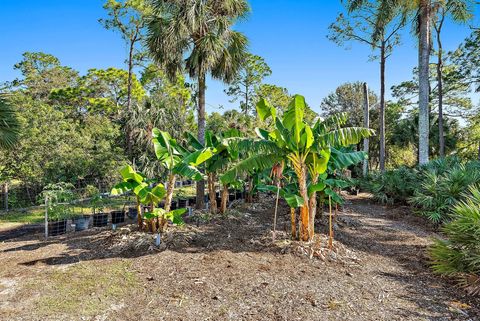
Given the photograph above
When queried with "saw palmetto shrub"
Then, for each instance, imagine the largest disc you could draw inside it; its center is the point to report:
(459, 255)
(441, 184)
(392, 186)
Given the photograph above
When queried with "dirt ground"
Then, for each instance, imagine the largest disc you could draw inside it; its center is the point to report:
(216, 268)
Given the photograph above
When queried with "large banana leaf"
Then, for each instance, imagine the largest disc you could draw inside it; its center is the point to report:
(344, 136)
(343, 160)
(129, 174)
(256, 162)
(265, 110)
(293, 117)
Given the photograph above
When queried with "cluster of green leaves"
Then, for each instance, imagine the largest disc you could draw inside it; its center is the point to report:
(441, 184)
(459, 255)
(391, 187)
(59, 198)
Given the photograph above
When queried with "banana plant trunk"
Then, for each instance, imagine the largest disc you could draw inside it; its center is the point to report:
(292, 222)
(249, 196)
(305, 234)
(139, 214)
(312, 203)
(211, 193)
(170, 189)
(223, 206)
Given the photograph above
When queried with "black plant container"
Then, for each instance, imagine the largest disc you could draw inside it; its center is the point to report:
(100, 219)
(239, 195)
(173, 206)
(132, 213)
(192, 201)
(182, 203)
(57, 227)
(81, 222)
(231, 197)
(117, 217)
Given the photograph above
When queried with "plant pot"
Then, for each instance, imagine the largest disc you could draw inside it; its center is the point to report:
(182, 203)
(132, 213)
(81, 222)
(57, 227)
(117, 217)
(238, 195)
(100, 219)
(173, 205)
(192, 201)
(231, 197)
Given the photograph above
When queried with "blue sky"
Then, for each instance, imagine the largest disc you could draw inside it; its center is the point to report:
(289, 34)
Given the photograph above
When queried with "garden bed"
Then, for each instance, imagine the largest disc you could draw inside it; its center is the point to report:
(228, 268)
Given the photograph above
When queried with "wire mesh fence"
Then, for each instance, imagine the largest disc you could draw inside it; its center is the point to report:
(90, 206)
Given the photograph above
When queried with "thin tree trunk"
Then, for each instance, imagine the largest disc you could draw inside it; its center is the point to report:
(128, 131)
(382, 107)
(441, 138)
(423, 82)
(211, 193)
(366, 124)
(201, 136)
(246, 99)
(223, 206)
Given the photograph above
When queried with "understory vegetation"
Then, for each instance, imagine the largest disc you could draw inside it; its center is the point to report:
(110, 141)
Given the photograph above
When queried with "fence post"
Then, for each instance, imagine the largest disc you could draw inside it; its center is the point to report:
(46, 217)
(5, 195)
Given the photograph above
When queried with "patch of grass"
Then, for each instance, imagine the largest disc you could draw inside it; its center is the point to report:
(186, 191)
(87, 288)
(28, 216)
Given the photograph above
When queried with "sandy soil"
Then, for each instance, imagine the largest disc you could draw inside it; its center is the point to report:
(230, 269)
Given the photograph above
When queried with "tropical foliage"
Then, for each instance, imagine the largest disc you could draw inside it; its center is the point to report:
(459, 255)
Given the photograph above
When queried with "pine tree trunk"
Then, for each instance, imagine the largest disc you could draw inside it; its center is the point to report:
(128, 131)
(223, 206)
(441, 138)
(423, 82)
(211, 193)
(382, 107)
(366, 124)
(201, 136)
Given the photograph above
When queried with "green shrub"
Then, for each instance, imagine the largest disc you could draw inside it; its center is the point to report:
(459, 255)
(392, 186)
(442, 183)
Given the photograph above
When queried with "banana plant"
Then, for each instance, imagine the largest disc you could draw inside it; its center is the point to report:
(140, 186)
(161, 217)
(306, 148)
(177, 161)
(224, 152)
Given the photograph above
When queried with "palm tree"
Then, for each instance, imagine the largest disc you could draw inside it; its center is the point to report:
(9, 124)
(196, 36)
